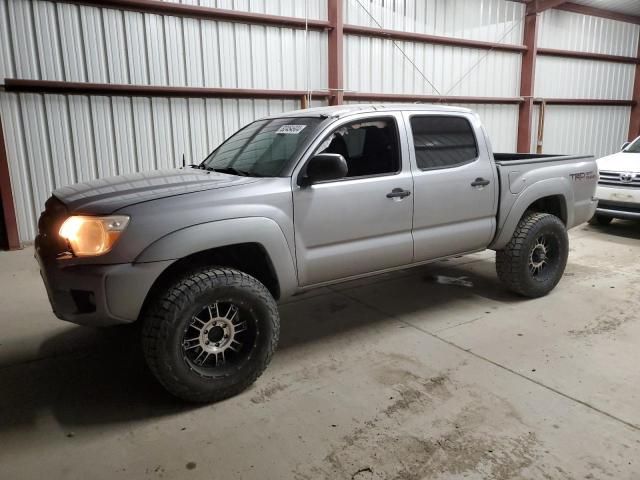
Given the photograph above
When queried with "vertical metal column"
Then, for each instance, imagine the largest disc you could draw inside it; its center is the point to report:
(634, 121)
(336, 52)
(527, 81)
(9, 212)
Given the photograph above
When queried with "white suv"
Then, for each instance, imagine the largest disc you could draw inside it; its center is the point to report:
(618, 189)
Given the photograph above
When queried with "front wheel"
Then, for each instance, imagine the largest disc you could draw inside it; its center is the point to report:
(534, 260)
(211, 334)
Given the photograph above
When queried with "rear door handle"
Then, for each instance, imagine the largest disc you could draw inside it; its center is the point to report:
(480, 182)
(398, 193)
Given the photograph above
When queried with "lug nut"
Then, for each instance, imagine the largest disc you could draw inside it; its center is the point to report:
(206, 342)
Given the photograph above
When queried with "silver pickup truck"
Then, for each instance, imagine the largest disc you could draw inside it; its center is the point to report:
(200, 255)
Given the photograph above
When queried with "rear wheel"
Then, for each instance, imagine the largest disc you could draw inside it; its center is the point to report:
(211, 335)
(534, 260)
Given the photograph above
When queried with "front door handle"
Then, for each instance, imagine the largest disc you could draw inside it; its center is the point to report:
(398, 193)
(480, 182)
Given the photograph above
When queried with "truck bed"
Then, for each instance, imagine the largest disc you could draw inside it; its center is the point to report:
(575, 175)
(522, 158)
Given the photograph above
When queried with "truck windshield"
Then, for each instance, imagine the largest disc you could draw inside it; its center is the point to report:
(262, 148)
(634, 147)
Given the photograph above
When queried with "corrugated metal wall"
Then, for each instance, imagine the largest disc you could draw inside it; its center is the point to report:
(376, 65)
(58, 41)
(488, 20)
(55, 140)
(584, 129)
(597, 130)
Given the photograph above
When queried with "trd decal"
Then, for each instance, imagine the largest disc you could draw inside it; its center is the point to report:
(583, 176)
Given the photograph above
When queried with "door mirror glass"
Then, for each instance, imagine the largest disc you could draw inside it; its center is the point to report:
(625, 145)
(323, 167)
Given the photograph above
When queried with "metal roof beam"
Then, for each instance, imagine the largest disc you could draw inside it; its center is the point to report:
(599, 12)
(538, 6)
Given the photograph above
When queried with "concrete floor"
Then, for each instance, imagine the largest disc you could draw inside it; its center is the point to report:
(402, 376)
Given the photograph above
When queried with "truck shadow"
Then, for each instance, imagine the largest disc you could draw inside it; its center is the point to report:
(102, 379)
(619, 230)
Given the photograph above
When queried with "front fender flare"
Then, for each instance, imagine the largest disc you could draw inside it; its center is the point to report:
(221, 233)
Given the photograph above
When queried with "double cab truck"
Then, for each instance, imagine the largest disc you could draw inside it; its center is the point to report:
(201, 255)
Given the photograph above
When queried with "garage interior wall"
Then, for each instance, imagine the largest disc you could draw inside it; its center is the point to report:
(584, 129)
(54, 140)
(377, 65)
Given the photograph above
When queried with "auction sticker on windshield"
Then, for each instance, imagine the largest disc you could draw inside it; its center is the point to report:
(291, 129)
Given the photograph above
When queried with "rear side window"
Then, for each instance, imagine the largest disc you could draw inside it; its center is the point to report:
(443, 141)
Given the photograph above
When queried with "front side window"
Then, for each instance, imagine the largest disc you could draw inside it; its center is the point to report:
(634, 147)
(262, 148)
(369, 146)
(443, 141)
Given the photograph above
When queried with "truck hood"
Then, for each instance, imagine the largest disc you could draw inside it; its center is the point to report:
(620, 162)
(105, 196)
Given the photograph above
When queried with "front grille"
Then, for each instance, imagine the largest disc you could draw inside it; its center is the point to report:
(619, 179)
(49, 242)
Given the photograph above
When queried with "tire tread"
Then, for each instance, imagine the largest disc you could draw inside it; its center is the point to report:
(508, 259)
(157, 326)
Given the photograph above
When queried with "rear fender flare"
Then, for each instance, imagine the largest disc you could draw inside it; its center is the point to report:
(543, 188)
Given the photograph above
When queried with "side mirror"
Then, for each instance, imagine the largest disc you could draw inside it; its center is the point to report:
(323, 167)
(625, 145)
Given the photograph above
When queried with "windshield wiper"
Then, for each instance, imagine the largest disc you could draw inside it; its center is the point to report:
(232, 171)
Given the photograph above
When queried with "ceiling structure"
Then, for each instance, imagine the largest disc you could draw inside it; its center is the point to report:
(624, 10)
(628, 7)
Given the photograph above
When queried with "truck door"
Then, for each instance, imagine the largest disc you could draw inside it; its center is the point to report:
(455, 192)
(361, 223)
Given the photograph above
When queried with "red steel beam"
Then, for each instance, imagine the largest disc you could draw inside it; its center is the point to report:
(537, 6)
(634, 120)
(194, 11)
(527, 78)
(399, 97)
(586, 102)
(336, 51)
(6, 195)
(552, 52)
(115, 89)
(434, 39)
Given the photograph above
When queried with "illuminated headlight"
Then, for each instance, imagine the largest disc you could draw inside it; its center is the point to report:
(88, 236)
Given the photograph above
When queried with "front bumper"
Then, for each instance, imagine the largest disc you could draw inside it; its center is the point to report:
(618, 201)
(628, 211)
(97, 295)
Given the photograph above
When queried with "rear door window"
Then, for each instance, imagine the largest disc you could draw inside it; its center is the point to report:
(443, 141)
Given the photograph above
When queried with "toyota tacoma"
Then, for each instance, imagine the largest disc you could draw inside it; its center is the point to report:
(201, 255)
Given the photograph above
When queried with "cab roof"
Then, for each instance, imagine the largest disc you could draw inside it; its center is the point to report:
(339, 111)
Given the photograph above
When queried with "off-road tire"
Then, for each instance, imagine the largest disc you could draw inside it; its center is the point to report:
(167, 316)
(600, 220)
(513, 261)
